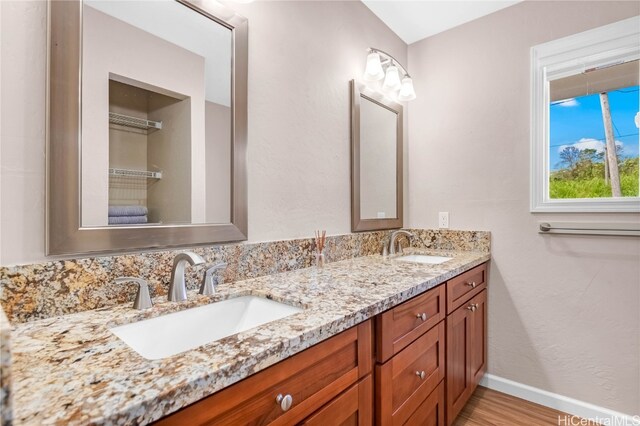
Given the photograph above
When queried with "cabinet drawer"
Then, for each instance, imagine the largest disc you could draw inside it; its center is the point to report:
(406, 379)
(463, 287)
(400, 326)
(311, 378)
(352, 408)
(431, 411)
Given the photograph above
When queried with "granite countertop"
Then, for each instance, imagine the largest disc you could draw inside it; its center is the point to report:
(73, 370)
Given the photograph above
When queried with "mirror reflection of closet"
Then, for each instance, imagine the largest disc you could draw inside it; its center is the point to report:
(156, 128)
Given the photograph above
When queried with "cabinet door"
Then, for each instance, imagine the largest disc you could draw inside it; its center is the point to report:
(431, 411)
(354, 407)
(458, 376)
(478, 347)
(466, 352)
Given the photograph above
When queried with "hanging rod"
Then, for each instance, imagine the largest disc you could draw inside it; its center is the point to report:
(625, 229)
(135, 173)
(138, 123)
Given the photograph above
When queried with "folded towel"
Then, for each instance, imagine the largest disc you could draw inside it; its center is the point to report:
(127, 220)
(127, 211)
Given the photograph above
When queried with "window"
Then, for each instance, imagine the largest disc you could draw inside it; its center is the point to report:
(585, 120)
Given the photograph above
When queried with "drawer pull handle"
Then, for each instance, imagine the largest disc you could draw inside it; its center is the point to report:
(472, 307)
(422, 316)
(472, 284)
(420, 374)
(285, 401)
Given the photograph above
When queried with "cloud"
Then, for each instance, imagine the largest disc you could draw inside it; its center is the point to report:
(567, 102)
(588, 143)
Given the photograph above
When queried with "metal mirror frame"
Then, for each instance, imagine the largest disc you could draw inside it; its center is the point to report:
(65, 235)
(359, 224)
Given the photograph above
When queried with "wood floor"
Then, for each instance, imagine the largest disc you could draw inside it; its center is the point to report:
(491, 408)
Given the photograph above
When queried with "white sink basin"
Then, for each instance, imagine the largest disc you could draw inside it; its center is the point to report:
(170, 334)
(421, 258)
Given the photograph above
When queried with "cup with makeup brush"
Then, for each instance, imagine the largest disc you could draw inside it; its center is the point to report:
(320, 240)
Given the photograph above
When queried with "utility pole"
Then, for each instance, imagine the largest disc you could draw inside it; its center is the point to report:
(606, 166)
(611, 155)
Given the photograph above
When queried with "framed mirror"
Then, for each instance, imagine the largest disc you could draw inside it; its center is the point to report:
(376, 160)
(147, 125)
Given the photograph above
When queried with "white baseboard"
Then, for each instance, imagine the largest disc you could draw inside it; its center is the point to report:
(567, 405)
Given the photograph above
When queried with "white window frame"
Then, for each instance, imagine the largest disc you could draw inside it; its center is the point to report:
(610, 44)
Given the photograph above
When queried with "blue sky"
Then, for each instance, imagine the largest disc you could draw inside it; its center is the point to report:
(579, 121)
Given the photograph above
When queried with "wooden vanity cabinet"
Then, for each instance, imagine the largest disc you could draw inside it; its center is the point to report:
(430, 354)
(466, 347)
(307, 380)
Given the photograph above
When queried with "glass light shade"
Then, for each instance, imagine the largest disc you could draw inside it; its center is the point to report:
(406, 91)
(374, 71)
(392, 79)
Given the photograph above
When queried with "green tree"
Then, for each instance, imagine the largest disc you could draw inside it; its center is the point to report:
(570, 156)
(590, 155)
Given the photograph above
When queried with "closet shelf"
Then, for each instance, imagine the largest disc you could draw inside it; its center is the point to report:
(138, 123)
(135, 173)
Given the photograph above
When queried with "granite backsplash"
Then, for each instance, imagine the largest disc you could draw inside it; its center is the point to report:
(37, 291)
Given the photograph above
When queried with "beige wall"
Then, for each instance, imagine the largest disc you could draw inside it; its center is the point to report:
(171, 150)
(217, 136)
(563, 310)
(301, 58)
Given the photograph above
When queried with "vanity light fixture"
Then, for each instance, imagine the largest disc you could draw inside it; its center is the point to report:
(391, 79)
(396, 77)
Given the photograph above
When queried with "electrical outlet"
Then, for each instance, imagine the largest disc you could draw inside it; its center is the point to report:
(443, 220)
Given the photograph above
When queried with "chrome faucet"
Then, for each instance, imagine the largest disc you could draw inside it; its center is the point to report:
(208, 285)
(143, 299)
(177, 286)
(394, 237)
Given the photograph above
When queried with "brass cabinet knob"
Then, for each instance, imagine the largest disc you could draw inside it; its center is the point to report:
(285, 401)
(472, 284)
(422, 316)
(472, 307)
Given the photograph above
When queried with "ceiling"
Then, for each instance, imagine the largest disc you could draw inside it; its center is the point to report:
(417, 19)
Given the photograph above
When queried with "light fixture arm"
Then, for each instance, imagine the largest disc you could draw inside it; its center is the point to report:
(389, 58)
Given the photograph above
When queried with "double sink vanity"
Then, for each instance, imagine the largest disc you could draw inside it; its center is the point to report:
(360, 340)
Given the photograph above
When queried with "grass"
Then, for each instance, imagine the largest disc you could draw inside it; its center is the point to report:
(592, 188)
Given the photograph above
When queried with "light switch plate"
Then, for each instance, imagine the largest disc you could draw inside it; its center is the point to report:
(443, 220)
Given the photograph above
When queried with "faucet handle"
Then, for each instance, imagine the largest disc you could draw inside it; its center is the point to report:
(208, 287)
(143, 299)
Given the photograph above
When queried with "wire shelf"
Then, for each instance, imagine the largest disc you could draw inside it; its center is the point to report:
(137, 123)
(145, 174)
